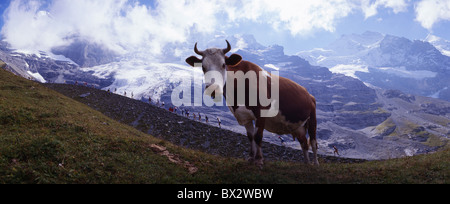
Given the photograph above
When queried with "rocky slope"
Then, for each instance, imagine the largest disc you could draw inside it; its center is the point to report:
(375, 142)
(186, 132)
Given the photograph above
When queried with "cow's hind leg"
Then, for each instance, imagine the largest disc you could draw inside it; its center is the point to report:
(312, 132)
(300, 134)
(260, 123)
(251, 131)
(314, 148)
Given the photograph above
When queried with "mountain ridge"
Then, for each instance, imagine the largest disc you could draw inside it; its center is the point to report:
(391, 62)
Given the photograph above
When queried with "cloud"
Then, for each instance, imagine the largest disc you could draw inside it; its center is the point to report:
(128, 26)
(120, 25)
(298, 17)
(429, 12)
(22, 21)
(370, 8)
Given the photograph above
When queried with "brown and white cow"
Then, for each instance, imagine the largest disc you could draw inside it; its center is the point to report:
(297, 108)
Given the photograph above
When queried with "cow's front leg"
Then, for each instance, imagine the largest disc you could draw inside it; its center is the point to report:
(260, 123)
(251, 137)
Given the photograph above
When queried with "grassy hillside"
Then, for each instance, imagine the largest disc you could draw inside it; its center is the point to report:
(46, 137)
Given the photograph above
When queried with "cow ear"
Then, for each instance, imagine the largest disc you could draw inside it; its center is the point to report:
(192, 60)
(233, 60)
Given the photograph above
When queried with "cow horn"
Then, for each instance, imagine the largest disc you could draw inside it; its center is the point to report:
(225, 51)
(196, 50)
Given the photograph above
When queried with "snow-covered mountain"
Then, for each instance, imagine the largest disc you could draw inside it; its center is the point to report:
(389, 62)
(361, 121)
(47, 67)
(440, 44)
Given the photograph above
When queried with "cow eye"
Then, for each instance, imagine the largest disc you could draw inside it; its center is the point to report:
(224, 65)
(203, 68)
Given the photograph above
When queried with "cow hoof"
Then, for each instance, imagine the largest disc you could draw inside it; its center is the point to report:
(316, 163)
(259, 163)
(261, 167)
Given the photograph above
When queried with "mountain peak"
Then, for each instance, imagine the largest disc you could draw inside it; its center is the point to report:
(353, 43)
(388, 61)
(86, 54)
(432, 38)
(441, 44)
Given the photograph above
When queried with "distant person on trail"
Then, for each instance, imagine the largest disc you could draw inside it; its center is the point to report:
(125, 93)
(149, 100)
(281, 139)
(194, 115)
(115, 90)
(182, 112)
(163, 104)
(199, 117)
(171, 109)
(206, 118)
(218, 121)
(187, 113)
(336, 151)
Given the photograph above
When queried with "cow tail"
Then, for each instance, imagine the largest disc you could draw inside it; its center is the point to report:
(312, 125)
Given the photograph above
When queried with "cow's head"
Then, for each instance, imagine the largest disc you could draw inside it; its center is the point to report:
(214, 63)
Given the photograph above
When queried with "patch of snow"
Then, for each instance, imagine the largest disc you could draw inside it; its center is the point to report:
(240, 45)
(271, 66)
(321, 58)
(402, 72)
(436, 95)
(145, 79)
(37, 76)
(41, 54)
(349, 69)
(60, 58)
(410, 152)
(17, 53)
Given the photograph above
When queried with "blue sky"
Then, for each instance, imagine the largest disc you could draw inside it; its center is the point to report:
(296, 25)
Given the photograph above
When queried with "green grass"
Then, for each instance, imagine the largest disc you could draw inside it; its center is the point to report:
(387, 125)
(46, 137)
